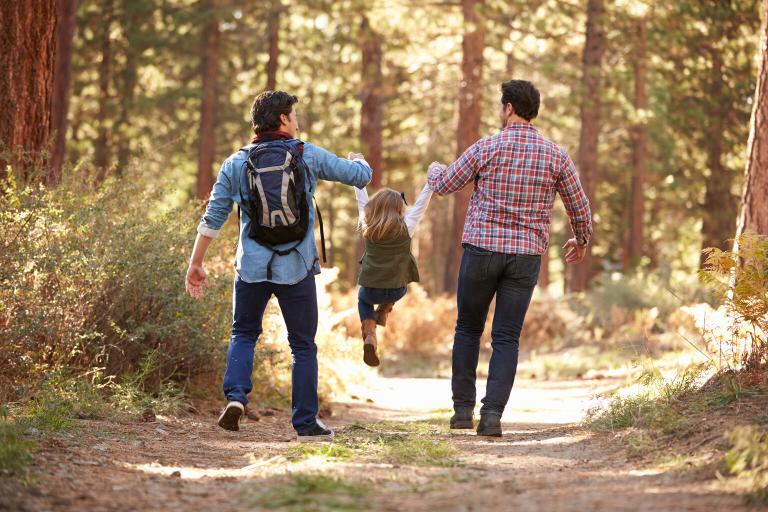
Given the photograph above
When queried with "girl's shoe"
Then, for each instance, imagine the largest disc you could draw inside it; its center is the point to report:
(382, 311)
(369, 343)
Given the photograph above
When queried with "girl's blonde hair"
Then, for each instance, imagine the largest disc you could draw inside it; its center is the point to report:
(384, 216)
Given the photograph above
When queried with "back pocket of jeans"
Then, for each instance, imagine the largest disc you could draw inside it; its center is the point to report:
(527, 268)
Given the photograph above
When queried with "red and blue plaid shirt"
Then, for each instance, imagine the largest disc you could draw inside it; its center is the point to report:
(516, 174)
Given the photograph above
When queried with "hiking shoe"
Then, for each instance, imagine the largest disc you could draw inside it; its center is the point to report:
(382, 311)
(230, 417)
(370, 357)
(490, 425)
(462, 419)
(320, 433)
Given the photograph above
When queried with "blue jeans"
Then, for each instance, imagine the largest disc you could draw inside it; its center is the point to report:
(369, 297)
(483, 274)
(298, 303)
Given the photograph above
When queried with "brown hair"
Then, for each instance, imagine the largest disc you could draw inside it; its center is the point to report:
(384, 216)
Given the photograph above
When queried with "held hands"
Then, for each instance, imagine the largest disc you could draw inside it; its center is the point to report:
(574, 252)
(437, 165)
(353, 156)
(197, 281)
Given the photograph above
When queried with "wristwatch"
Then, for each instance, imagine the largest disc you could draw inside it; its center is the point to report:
(582, 241)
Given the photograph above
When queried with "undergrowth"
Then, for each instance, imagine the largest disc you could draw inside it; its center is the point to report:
(302, 492)
(748, 459)
(406, 443)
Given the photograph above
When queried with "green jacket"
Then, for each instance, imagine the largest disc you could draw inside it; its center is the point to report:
(388, 264)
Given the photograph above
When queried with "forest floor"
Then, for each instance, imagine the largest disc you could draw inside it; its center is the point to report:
(393, 451)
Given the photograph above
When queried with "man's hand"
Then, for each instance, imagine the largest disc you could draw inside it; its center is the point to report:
(352, 156)
(197, 281)
(574, 252)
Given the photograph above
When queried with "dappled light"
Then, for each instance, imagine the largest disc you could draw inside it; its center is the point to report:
(369, 255)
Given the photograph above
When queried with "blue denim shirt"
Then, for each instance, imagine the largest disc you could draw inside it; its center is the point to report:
(252, 258)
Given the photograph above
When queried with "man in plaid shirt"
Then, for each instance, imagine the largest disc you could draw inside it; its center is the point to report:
(515, 174)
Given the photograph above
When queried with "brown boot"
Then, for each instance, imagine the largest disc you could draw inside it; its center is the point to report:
(382, 310)
(369, 343)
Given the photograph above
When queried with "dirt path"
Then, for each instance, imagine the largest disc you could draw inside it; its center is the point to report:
(544, 462)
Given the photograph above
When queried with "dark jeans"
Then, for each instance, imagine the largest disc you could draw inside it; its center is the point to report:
(298, 303)
(369, 297)
(483, 274)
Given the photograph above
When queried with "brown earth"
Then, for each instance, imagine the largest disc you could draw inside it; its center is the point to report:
(544, 462)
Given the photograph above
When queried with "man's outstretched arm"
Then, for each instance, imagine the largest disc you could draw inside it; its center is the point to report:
(447, 180)
(329, 167)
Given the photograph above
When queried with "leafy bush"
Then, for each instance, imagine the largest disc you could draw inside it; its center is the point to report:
(743, 278)
(748, 458)
(94, 278)
(612, 301)
(14, 449)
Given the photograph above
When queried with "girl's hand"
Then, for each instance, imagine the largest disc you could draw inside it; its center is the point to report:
(435, 165)
(352, 156)
(197, 281)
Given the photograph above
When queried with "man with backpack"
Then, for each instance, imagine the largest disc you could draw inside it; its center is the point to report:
(273, 181)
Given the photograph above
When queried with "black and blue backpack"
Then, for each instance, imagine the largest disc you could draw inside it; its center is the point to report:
(278, 205)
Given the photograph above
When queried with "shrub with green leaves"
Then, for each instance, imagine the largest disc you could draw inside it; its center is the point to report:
(743, 277)
(748, 458)
(93, 277)
(14, 449)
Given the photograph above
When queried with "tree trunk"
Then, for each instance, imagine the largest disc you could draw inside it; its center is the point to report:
(754, 201)
(639, 137)
(720, 205)
(578, 276)
(470, 101)
(102, 150)
(27, 58)
(65, 31)
(128, 80)
(207, 144)
(371, 119)
(273, 32)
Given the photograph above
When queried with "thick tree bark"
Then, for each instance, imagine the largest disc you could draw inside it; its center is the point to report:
(27, 58)
(372, 117)
(720, 205)
(65, 32)
(101, 154)
(470, 102)
(639, 137)
(273, 32)
(578, 276)
(133, 15)
(207, 144)
(754, 201)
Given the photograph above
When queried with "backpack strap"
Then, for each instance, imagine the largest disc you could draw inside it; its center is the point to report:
(277, 252)
(322, 230)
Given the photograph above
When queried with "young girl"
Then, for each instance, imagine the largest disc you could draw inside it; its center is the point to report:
(387, 265)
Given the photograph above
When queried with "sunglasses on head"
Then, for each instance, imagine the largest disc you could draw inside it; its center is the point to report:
(402, 194)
